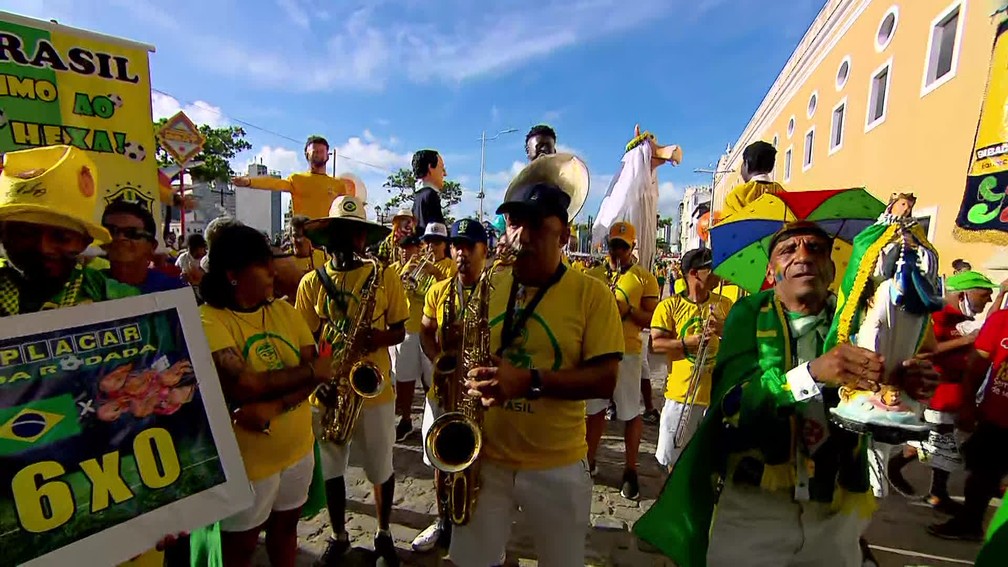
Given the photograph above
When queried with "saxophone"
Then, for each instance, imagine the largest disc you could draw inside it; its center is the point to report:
(455, 439)
(354, 378)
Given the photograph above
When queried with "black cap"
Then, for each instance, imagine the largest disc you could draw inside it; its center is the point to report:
(542, 199)
(468, 230)
(409, 240)
(697, 259)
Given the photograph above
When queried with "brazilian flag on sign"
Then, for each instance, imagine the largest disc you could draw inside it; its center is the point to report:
(37, 423)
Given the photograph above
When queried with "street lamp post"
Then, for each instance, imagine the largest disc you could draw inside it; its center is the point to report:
(483, 141)
(378, 215)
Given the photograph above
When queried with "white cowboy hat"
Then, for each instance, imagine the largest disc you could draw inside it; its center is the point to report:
(346, 211)
(402, 213)
(566, 171)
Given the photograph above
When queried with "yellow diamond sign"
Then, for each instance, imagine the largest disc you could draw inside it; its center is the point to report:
(181, 138)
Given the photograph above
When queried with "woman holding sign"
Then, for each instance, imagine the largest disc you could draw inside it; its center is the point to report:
(266, 359)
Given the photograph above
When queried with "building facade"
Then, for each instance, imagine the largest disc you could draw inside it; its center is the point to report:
(885, 95)
(257, 208)
(695, 202)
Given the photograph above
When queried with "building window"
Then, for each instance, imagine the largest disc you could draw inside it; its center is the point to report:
(790, 127)
(878, 96)
(837, 126)
(943, 48)
(775, 140)
(887, 29)
(809, 143)
(787, 164)
(843, 73)
(812, 101)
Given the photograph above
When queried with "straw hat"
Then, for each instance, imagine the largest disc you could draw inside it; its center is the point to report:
(54, 185)
(567, 171)
(345, 213)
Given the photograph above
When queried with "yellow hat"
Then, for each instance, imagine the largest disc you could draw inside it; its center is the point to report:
(623, 231)
(54, 185)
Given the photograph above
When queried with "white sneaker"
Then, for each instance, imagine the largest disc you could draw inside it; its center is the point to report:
(426, 540)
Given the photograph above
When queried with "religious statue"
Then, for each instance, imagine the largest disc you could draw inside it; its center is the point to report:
(888, 293)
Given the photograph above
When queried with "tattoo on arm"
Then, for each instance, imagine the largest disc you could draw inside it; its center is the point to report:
(230, 367)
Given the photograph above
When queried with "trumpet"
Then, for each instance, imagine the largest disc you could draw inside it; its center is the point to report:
(696, 376)
(411, 279)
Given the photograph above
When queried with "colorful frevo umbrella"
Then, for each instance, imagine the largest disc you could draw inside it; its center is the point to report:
(740, 241)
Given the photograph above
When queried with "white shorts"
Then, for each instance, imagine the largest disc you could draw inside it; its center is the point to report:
(372, 441)
(555, 502)
(627, 394)
(286, 490)
(667, 453)
(410, 362)
(431, 412)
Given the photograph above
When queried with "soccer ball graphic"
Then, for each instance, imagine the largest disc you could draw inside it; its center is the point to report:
(134, 151)
(3, 118)
(116, 100)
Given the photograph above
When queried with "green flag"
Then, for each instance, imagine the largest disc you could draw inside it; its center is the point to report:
(994, 552)
(37, 423)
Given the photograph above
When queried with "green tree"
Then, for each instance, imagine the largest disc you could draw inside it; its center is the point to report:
(220, 147)
(401, 186)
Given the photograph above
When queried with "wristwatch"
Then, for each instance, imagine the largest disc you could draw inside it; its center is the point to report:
(535, 386)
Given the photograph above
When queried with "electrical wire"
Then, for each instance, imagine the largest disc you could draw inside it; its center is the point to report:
(260, 128)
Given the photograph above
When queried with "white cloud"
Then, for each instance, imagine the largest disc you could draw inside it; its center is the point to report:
(494, 114)
(295, 12)
(565, 149)
(368, 136)
(669, 196)
(200, 112)
(284, 160)
(365, 154)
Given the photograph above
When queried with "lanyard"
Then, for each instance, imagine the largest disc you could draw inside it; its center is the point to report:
(513, 327)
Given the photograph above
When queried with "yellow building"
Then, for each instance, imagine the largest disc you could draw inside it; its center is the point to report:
(886, 95)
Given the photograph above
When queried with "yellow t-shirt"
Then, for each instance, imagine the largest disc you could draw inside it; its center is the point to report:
(311, 193)
(679, 286)
(415, 299)
(575, 321)
(681, 317)
(269, 338)
(390, 309)
(632, 287)
(741, 196)
(434, 306)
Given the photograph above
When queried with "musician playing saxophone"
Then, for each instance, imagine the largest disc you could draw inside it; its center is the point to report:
(469, 250)
(636, 293)
(410, 362)
(329, 300)
(557, 334)
(677, 328)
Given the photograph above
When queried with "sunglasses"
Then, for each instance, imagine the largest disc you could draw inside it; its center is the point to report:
(129, 232)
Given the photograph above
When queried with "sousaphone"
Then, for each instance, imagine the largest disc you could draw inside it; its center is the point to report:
(566, 171)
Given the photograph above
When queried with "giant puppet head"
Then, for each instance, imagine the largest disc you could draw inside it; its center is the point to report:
(633, 193)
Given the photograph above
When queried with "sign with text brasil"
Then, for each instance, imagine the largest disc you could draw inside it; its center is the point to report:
(60, 85)
(113, 431)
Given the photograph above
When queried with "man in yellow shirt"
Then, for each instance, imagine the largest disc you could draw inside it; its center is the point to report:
(679, 323)
(757, 165)
(389, 249)
(556, 332)
(469, 249)
(329, 299)
(636, 293)
(312, 191)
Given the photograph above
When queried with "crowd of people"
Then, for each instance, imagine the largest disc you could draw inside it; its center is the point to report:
(570, 342)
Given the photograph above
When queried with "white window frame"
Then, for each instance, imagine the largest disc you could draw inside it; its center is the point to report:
(834, 149)
(880, 47)
(790, 127)
(805, 149)
(836, 79)
(788, 155)
(932, 214)
(811, 108)
(956, 49)
(869, 123)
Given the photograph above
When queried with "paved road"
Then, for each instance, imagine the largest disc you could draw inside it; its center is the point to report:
(897, 532)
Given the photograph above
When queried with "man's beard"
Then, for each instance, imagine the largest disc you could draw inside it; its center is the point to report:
(317, 163)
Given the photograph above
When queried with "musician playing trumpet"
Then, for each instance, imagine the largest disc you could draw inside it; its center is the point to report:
(418, 274)
(681, 324)
(330, 299)
(636, 292)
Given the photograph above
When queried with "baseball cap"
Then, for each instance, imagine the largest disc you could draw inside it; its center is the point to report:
(469, 230)
(540, 199)
(623, 231)
(697, 259)
(435, 230)
(410, 240)
(969, 279)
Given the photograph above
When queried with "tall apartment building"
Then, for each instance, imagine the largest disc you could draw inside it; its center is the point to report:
(257, 208)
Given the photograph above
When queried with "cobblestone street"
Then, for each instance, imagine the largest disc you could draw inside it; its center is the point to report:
(897, 533)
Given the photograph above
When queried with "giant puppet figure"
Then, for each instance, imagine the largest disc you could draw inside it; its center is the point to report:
(887, 296)
(633, 193)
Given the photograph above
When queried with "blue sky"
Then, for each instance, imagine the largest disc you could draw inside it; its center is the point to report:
(383, 78)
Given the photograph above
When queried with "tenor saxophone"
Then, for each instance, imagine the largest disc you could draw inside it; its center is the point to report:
(354, 378)
(455, 439)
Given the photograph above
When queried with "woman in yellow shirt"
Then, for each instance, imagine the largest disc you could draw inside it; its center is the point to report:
(266, 360)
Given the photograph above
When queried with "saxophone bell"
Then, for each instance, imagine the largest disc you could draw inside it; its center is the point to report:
(366, 379)
(454, 442)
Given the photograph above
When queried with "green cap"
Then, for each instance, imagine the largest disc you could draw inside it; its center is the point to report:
(969, 280)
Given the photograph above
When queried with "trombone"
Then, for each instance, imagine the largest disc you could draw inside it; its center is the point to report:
(693, 386)
(411, 279)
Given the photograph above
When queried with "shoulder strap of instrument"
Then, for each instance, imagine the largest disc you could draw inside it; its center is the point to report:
(327, 283)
